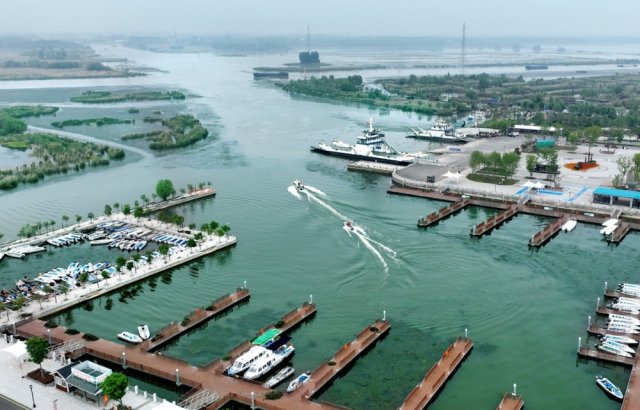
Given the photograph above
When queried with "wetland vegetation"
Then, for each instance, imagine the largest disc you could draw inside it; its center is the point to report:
(179, 131)
(100, 97)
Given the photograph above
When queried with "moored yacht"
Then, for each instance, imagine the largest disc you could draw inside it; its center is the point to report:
(299, 381)
(281, 376)
(370, 146)
(610, 388)
(129, 337)
(439, 131)
(244, 361)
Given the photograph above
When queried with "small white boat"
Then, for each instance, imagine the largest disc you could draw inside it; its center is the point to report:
(298, 185)
(610, 222)
(610, 388)
(101, 242)
(607, 348)
(617, 345)
(620, 339)
(569, 225)
(129, 337)
(608, 230)
(281, 376)
(623, 329)
(143, 331)
(299, 381)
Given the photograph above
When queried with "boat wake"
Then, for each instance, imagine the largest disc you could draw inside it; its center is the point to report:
(313, 194)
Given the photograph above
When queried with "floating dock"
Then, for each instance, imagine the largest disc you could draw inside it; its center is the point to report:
(597, 330)
(548, 232)
(375, 167)
(603, 310)
(196, 318)
(495, 221)
(632, 393)
(606, 357)
(619, 234)
(443, 213)
(614, 294)
(511, 402)
(347, 354)
(438, 375)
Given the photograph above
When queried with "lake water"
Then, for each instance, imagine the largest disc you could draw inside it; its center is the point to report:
(524, 309)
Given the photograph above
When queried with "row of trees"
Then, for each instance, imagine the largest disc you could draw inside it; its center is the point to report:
(505, 164)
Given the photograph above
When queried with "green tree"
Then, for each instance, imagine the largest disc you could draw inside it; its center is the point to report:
(126, 209)
(129, 266)
(149, 256)
(91, 215)
(38, 348)
(120, 262)
(107, 210)
(625, 164)
(115, 386)
(64, 288)
(532, 160)
(476, 161)
(4, 308)
(138, 212)
(116, 206)
(144, 199)
(65, 219)
(105, 275)
(164, 189)
(178, 220)
(83, 278)
(78, 218)
(163, 249)
(213, 225)
(592, 134)
(191, 243)
(510, 162)
(573, 139)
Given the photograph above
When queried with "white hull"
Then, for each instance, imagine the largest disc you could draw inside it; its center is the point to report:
(129, 337)
(569, 225)
(282, 375)
(608, 230)
(143, 331)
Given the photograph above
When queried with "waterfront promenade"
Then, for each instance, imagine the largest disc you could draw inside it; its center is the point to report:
(52, 305)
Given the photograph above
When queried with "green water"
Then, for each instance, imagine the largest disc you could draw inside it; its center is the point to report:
(524, 309)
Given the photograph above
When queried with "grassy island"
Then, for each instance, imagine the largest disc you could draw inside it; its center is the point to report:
(24, 111)
(90, 121)
(53, 154)
(569, 103)
(99, 97)
(180, 131)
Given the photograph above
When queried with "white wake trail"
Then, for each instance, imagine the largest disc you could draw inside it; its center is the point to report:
(373, 250)
(327, 206)
(293, 191)
(316, 191)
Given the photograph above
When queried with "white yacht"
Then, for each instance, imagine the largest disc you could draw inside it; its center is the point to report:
(439, 131)
(370, 146)
(268, 362)
(244, 361)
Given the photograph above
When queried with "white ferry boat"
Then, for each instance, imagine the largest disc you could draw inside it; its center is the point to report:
(440, 131)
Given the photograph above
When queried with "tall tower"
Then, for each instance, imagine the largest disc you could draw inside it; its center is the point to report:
(463, 48)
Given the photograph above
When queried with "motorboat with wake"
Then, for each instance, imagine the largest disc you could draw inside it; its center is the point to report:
(610, 388)
(129, 337)
(298, 185)
(281, 376)
(440, 131)
(370, 146)
(299, 381)
(349, 226)
(143, 331)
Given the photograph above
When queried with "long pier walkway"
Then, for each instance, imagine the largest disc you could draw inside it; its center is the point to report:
(495, 221)
(328, 370)
(632, 394)
(196, 318)
(510, 402)
(443, 213)
(183, 199)
(438, 375)
(606, 357)
(548, 232)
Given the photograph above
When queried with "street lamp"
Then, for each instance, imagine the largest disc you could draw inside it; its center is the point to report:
(32, 398)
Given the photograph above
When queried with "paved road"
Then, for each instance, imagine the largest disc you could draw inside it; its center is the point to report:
(7, 404)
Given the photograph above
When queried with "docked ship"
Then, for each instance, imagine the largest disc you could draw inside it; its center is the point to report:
(259, 75)
(440, 131)
(370, 146)
(536, 67)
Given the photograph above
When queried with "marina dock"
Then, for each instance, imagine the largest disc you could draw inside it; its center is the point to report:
(196, 318)
(614, 294)
(375, 167)
(511, 402)
(632, 393)
(438, 375)
(495, 221)
(606, 357)
(619, 234)
(183, 199)
(597, 330)
(443, 213)
(348, 353)
(603, 310)
(548, 232)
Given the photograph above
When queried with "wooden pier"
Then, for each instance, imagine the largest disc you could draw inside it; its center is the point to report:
(196, 318)
(494, 221)
(443, 213)
(615, 294)
(597, 330)
(511, 402)
(375, 167)
(346, 355)
(606, 357)
(548, 232)
(632, 393)
(183, 199)
(619, 234)
(438, 375)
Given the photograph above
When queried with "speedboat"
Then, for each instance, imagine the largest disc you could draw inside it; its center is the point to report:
(617, 345)
(608, 230)
(613, 349)
(623, 329)
(569, 225)
(620, 339)
(143, 331)
(281, 376)
(370, 146)
(610, 388)
(244, 361)
(129, 337)
(299, 381)
(298, 185)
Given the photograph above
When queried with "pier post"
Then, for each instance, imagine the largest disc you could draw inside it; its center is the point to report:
(311, 299)
(155, 398)
(579, 343)
(605, 286)
(49, 335)
(514, 394)
(253, 401)
(177, 377)
(124, 360)
(384, 315)
(597, 303)
(245, 284)
(135, 390)
(466, 331)
(589, 325)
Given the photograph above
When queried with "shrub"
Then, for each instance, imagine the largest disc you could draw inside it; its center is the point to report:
(90, 337)
(185, 321)
(273, 395)
(51, 325)
(279, 324)
(71, 331)
(331, 363)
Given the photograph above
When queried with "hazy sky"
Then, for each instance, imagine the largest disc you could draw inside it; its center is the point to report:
(574, 18)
